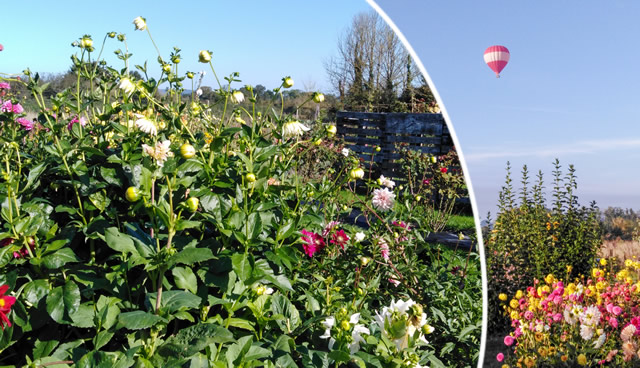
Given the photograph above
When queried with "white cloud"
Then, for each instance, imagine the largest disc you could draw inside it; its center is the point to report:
(581, 147)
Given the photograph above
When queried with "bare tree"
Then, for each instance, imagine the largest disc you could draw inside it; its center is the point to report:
(370, 70)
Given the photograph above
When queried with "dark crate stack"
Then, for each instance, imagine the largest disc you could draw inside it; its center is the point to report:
(364, 131)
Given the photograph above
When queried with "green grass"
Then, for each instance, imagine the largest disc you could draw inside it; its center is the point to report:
(460, 223)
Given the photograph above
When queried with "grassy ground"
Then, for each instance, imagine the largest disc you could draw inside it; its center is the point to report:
(460, 222)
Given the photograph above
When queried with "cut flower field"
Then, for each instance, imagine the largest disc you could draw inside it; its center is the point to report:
(147, 229)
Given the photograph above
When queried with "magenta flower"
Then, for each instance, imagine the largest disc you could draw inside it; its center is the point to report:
(6, 302)
(26, 123)
(312, 242)
(500, 357)
(508, 340)
(443, 170)
(426, 182)
(6, 106)
(339, 238)
(5, 85)
(75, 119)
(18, 109)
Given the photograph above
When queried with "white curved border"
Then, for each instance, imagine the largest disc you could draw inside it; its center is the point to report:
(472, 197)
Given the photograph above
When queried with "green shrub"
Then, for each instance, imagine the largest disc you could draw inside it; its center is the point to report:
(530, 240)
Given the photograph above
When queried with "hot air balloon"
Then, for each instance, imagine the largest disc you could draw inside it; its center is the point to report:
(497, 58)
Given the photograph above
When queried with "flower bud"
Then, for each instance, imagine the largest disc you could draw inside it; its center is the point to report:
(204, 56)
(318, 97)
(250, 177)
(190, 75)
(111, 34)
(86, 42)
(378, 149)
(331, 130)
(356, 173)
(345, 325)
(318, 142)
(121, 37)
(287, 82)
(364, 261)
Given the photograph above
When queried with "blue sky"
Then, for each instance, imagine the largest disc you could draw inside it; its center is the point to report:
(263, 40)
(570, 90)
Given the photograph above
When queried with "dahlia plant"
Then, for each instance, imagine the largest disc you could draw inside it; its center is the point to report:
(146, 229)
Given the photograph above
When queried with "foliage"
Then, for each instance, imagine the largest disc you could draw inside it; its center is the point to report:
(586, 321)
(620, 223)
(436, 179)
(372, 71)
(142, 229)
(529, 240)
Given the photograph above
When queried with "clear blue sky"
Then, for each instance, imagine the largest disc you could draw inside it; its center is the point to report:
(570, 90)
(263, 40)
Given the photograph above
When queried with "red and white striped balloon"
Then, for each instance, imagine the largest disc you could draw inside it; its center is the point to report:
(497, 58)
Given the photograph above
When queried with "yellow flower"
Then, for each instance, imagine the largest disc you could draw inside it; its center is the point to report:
(514, 315)
(514, 304)
(549, 279)
(502, 296)
(569, 268)
(519, 294)
(582, 359)
(529, 362)
(603, 262)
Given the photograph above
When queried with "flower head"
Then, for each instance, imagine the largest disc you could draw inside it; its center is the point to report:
(312, 242)
(6, 302)
(339, 238)
(26, 123)
(237, 97)
(160, 152)
(82, 121)
(293, 128)
(5, 85)
(146, 125)
(345, 152)
(140, 23)
(386, 182)
(359, 237)
(383, 199)
(127, 86)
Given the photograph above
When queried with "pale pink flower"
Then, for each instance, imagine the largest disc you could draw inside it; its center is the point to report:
(383, 199)
(160, 152)
(384, 248)
(627, 333)
(394, 282)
